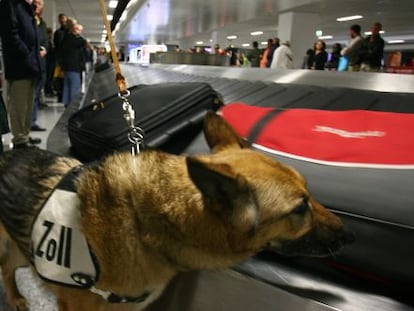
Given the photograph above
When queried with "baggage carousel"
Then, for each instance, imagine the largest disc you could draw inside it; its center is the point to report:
(267, 281)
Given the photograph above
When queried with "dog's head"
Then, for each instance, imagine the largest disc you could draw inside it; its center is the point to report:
(262, 202)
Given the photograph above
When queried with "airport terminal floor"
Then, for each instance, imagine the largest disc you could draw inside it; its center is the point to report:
(268, 281)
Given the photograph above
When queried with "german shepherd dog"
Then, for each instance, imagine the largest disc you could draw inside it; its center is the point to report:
(148, 217)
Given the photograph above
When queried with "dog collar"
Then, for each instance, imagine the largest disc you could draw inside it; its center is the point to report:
(113, 298)
(61, 253)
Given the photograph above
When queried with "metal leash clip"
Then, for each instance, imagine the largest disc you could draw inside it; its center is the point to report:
(136, 134)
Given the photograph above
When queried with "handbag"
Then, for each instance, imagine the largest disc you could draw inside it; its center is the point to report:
(171, 114)
(343, 63)
(58, 73)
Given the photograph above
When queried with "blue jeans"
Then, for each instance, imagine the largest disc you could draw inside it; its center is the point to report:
(71, 86)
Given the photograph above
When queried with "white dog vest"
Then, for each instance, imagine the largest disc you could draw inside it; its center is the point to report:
(61, 253)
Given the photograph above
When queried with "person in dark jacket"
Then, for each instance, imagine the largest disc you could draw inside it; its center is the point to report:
(50, 63)
(22, 65)
(58, 36)
(333, 61)
(72, 62)
(373, 50)
(40, 81)
(272, 49)
(319, 57)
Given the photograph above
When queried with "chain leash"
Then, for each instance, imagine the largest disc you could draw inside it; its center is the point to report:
(135, 134)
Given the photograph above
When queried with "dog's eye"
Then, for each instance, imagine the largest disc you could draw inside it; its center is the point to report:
(302, 208)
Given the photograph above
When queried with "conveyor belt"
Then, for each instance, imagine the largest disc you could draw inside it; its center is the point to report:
(257, 88)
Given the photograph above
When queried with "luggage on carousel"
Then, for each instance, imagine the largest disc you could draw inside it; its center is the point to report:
(358, 163)
(169, 113)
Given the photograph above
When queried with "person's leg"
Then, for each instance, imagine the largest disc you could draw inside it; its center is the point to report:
(66, 89)
(75, 85)
(36, 102)
(50, 68)
(354, 68)
(20, 105)
(39, 84)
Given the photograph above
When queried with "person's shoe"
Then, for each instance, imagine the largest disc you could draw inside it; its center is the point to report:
(34, 140)
(37, 128)
(21, 146)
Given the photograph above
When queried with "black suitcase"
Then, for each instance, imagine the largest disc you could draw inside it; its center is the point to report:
(170, 114)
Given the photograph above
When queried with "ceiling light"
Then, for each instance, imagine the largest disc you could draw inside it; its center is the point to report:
(396, 41)
(231, 37)
(113, 3)
(263, 43)
(131, 3)
(368, 33)
(325, 37)
(123, 16)
(349, 18)
(256, 33)
(319, 33)
(246, 44)
(199, 42)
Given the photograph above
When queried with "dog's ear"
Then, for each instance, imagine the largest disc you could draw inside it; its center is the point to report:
(220, 135)
(224, 192)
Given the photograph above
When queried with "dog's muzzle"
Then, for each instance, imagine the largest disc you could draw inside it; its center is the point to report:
(313, 245)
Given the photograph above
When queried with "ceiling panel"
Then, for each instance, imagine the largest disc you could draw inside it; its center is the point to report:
(169, 21)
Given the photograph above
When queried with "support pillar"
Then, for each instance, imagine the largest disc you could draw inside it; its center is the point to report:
(299, 29)
(220, 38)
(49, 14)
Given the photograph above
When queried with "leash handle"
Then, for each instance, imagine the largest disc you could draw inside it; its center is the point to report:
(136, 134)
(120, 79)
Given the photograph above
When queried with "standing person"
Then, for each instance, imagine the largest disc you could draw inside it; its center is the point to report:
(273, 48)
(333, 62)
(234, 58)
(307, 59)
(71, 59)
(218, 50)
(41, 80)
(263, 61)
(353, 50)
(319, 56)
(50, 63)
(283, 57)
(254, 55)
(22, 66)
(57, 41)
(373, 50)
(4, 123)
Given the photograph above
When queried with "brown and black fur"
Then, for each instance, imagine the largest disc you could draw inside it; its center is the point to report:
(149, 217)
